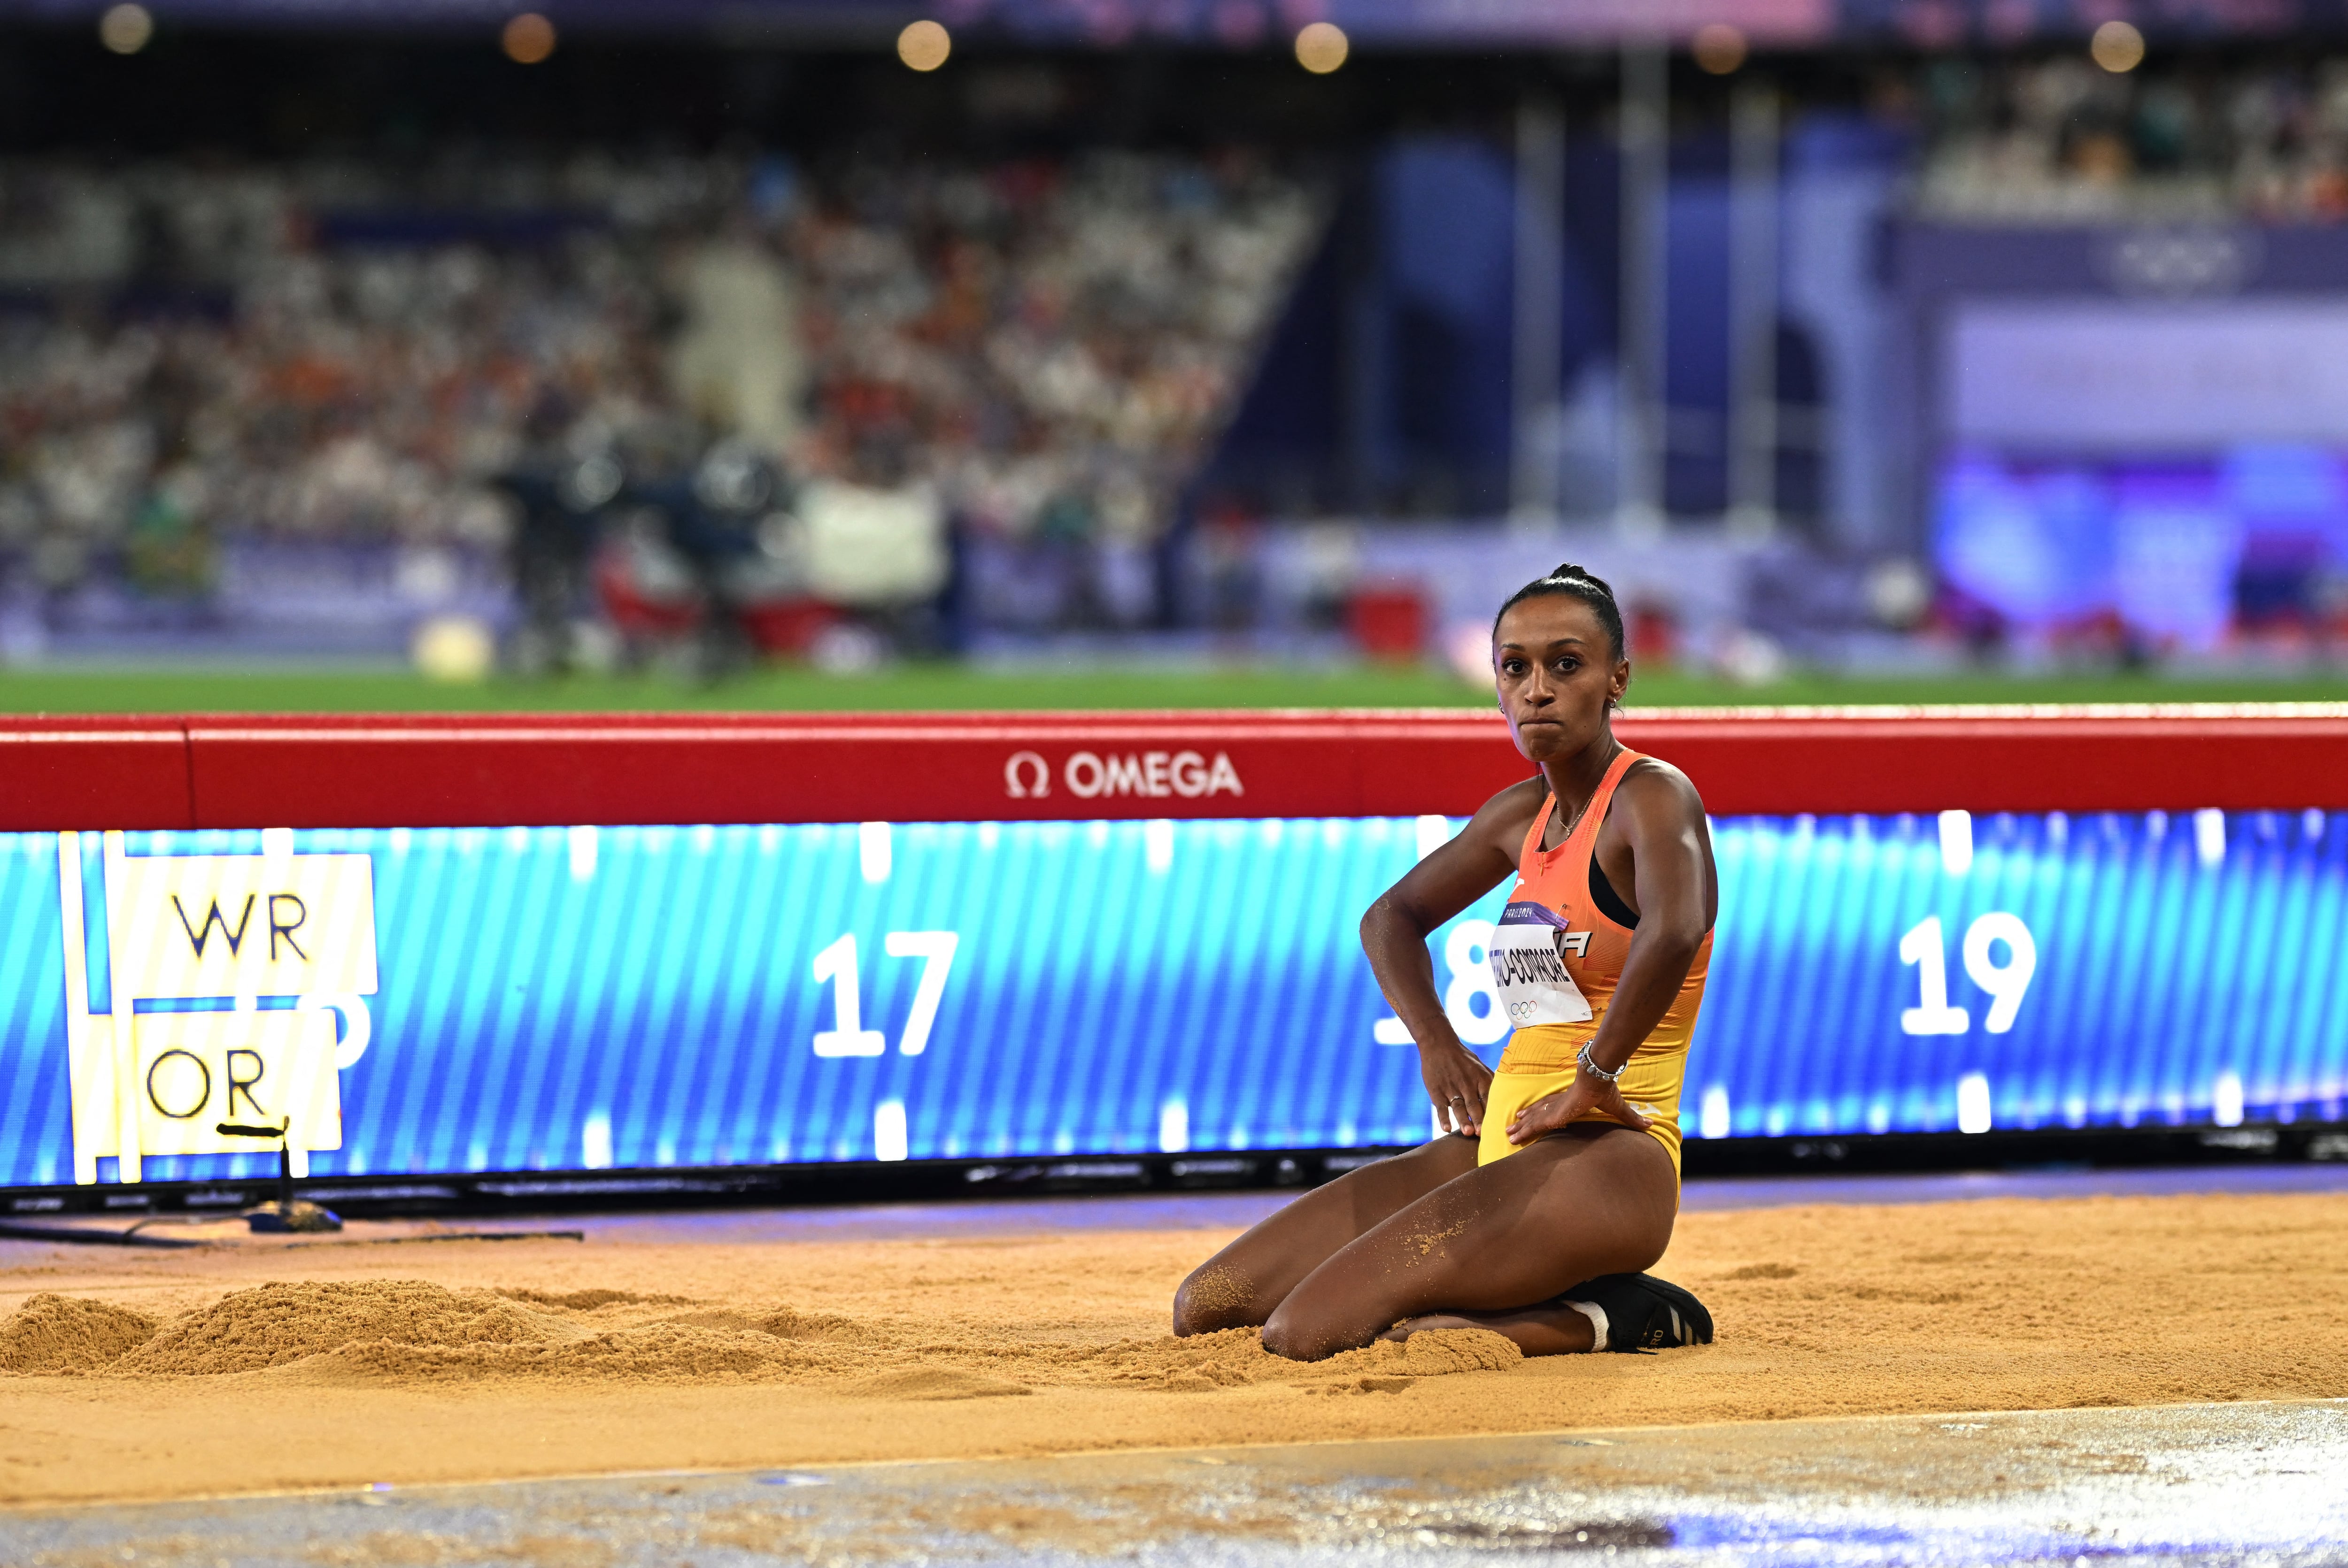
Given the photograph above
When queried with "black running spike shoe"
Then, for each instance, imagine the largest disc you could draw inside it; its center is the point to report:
(1644, 1313)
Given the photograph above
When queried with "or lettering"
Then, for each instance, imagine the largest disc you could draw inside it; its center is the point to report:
(1084, 774)
(1223, 776)
(1189, 774)
(198, 935)
(243, 1085)
(279, 927)
(204, 1076)
(1124, 777)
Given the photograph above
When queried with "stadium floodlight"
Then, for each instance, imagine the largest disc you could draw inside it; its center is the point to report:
(1719, 49)
(2118, 47)
(125, 29)
(924, 45)
(1321, 47)
(528, 38)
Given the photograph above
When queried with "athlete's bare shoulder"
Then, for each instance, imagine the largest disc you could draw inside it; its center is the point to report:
(1653, 785)
(1501, 822)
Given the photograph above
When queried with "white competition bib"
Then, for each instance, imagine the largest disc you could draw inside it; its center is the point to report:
(1527, 955)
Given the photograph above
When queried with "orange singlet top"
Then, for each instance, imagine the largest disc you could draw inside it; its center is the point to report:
(1557, 957)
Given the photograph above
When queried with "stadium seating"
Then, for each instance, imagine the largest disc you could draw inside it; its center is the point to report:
(208, 360)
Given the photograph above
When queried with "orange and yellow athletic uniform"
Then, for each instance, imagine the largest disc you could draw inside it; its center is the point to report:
(1557, 957)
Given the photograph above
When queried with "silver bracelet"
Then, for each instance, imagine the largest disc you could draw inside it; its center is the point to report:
(1584, 1061)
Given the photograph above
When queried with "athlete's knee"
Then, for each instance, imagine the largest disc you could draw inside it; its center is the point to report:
(1297, 1331)
(1216, 1296)
(1284, 1336)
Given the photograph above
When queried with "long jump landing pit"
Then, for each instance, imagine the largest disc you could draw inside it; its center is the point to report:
(801, 1343)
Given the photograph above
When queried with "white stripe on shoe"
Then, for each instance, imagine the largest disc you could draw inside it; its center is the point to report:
(1597, 1316)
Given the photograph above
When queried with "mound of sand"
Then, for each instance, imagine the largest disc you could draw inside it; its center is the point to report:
(588, 1300)
(658, 1353)
(1235, 1357)
(934, 1383)
(789, 1323)
(1437, 1351)
(410, 1330)
(67, 1334)
(272, 1325)
(395, 1332)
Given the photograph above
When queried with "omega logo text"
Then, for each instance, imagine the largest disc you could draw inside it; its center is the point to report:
(1154, 774)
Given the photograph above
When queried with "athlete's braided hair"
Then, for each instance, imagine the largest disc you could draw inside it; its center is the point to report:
(1571, 580)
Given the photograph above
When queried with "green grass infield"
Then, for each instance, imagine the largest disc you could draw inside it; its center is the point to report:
(912, 687)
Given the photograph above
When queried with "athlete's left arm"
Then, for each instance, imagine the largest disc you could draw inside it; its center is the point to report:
(1659, 811)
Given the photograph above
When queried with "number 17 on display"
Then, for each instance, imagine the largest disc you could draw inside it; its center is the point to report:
(835, 965)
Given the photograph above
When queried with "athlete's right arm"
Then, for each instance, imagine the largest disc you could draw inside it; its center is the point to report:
(1395, 933)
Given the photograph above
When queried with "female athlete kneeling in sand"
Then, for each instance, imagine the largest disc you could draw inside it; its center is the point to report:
(1559, 1175)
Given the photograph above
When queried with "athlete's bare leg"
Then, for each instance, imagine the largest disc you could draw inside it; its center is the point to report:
(1545, 1330)
(1239, 1285)
(1585, 1201)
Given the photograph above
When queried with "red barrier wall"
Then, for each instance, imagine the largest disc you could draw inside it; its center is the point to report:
(94, 772)
(385, 771)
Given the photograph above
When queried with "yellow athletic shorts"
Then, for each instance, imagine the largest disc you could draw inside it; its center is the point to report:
(1656, 1091)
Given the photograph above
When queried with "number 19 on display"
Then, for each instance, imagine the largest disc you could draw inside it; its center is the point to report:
(1924, 946)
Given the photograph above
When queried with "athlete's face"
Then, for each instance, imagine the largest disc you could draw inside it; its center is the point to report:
(1556, 675)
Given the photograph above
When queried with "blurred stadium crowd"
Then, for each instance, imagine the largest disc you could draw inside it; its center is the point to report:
(2059, 139)
(708, 403)
(721, 382)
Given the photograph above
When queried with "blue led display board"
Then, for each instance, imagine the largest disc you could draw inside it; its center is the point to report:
(448, 1001)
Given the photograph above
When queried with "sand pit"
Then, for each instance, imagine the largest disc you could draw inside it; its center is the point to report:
(128, 1374)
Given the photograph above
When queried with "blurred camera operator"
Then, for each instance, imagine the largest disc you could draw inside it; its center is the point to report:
(560, 487)
(711, 516)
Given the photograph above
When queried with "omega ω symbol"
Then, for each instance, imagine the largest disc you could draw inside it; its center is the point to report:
(1026, 776)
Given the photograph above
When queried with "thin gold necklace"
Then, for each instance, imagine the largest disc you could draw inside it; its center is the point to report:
(1591, 798)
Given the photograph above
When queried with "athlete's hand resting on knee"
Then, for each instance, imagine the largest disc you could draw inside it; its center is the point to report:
(1458, 1084)
(1576, 1099)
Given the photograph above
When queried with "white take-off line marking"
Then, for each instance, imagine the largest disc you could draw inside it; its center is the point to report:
(889, 1137)
(585, 845)
(2209, 836)
(873, 850)
(1972, 1103)
(1956, 842)
(2226, 1099)
(118, 970)
(1174, 1127)
(595, 1142)
(1712, 1118)
(77, 962)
